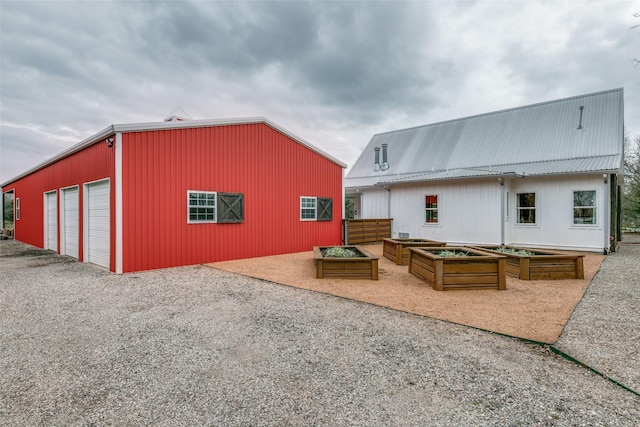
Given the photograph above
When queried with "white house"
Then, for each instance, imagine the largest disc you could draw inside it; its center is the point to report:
(546, 175)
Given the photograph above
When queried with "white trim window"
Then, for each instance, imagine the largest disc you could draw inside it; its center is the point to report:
(201, 206)
(308, 208)
(431, 209)
(16, 214)
(584, 207)
(526, 208)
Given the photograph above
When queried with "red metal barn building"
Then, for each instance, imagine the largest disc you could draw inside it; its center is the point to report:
(145, 196)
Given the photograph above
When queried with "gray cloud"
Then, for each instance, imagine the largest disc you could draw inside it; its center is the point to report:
(332, 72)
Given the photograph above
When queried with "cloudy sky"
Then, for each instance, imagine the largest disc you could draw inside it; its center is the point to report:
(332, 72)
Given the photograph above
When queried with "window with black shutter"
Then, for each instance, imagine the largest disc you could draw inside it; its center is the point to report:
(230, 207)
(325, 209)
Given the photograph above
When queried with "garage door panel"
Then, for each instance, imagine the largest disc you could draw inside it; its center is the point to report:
(71, 223)
(51, 221)
(98, 224)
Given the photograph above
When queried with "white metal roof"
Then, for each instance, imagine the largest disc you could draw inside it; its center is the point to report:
(555, 137)
(137, 127)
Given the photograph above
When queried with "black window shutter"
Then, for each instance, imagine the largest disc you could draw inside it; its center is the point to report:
(325, 209)
(230, 207)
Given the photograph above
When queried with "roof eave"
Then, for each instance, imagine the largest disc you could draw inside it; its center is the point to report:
(493, 176)
(97, 137)
(140, 127)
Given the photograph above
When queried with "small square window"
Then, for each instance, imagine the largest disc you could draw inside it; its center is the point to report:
(201, 206)
(308, 207)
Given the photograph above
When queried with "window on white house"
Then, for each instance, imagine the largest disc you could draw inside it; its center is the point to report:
(201, 206)
(431, 208)
(308, 207)
(584, 207)
(526, 208)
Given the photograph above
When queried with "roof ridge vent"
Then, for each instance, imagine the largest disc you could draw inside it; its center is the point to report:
(178, 115)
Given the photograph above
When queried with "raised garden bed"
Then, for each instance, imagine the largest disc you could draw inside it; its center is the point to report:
(539, 264)
(397, 250)
(461, 268)
(330, 263)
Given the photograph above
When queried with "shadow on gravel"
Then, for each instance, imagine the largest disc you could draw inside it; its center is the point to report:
(19, 256)
(40, 253)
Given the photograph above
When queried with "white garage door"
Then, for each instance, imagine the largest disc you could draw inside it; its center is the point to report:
(97, 250)
(70, 222)
(51, 221)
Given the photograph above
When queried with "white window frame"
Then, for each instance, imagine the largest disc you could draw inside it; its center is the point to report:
(535, 209)
(16, 209)
(303, 208)
(189, 206)
(594, 207)
(436, 209)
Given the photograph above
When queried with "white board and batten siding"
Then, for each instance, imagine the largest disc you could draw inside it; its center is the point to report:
(554, 226)
(51, 221)
(468, 212)
(69, 221)
(97, 223)
(374, 203)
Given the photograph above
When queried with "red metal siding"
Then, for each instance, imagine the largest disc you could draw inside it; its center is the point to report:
(269, 168)
(94, 162)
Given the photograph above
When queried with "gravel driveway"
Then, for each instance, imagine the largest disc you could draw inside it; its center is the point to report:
(199, 346)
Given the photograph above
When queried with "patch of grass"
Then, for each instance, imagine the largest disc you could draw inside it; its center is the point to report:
(339, 252)
(521, 252)
(453, 253)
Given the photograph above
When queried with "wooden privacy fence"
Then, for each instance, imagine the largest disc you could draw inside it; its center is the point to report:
(358, 231)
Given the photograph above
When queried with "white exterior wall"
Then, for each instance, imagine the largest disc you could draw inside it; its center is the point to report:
(374, 203)
(554, 226)
(468, 211)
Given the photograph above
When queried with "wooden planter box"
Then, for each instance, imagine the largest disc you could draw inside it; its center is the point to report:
(397, 250)
(364, 267)
(482, 270)
(542, 265)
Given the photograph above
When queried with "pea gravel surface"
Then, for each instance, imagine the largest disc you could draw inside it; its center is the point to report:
(200, 346)
(604, 329)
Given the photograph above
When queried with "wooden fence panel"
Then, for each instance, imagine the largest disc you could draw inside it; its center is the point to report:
(366, 230)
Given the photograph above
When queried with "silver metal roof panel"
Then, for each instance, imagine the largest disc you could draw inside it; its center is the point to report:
(556, 131)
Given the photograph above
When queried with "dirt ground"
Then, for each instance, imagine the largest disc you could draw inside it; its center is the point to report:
(535, 310)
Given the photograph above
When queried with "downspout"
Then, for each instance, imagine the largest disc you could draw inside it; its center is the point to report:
(502, 210)
(607, 213)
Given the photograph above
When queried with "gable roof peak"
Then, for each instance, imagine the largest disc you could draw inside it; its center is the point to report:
(178, 115)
